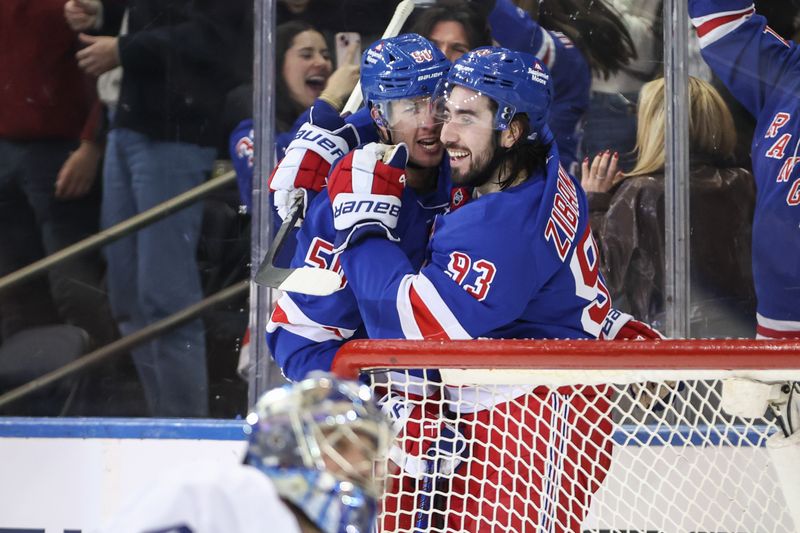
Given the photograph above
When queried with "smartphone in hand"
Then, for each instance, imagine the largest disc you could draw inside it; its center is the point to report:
(344, 53)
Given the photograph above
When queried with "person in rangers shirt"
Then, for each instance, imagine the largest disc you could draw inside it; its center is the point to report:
(516, 261)
(762, 71)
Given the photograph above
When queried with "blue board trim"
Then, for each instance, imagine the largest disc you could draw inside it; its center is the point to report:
(122, 428)
(231, 430)
(734, 435)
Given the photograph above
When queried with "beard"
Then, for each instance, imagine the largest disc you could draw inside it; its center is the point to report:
(481, 169)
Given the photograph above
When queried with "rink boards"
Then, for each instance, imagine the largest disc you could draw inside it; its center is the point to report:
(62, 475)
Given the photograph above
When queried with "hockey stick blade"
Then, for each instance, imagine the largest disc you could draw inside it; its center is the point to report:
(303, 280)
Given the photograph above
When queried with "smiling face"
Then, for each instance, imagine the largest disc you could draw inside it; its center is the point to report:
(468, 135)
(410, 120)
(450, 37)
(306, 67)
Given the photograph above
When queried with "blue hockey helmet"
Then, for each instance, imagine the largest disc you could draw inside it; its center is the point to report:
(319, 441)
(518, 82)
(406, 66)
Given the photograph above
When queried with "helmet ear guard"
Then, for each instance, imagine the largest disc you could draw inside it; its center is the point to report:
(517, 82)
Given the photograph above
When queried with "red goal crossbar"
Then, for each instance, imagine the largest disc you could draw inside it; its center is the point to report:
(727, 354)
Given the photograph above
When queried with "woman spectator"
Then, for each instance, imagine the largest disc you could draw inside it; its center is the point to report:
(304, 72)
(610, 121)
(627, 217)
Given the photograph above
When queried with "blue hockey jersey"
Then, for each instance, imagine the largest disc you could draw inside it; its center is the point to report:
(763, 72)
(513, 28)
(520, 263)
(304, 331)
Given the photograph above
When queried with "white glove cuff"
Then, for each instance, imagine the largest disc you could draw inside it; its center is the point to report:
(351, 208)
(327, 144)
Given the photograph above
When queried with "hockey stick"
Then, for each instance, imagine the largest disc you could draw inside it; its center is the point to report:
(307, 280)
(401, 14)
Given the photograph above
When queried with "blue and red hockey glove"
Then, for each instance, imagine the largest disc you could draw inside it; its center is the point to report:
(366, 189)
(319, 142)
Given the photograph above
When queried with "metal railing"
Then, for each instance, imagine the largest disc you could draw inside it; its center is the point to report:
(126, 343)
(118, 231)
(101, 239)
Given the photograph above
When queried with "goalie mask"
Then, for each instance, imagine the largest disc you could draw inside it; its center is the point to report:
(318, 441)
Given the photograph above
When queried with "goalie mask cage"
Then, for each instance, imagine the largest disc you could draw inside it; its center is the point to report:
(591, 436)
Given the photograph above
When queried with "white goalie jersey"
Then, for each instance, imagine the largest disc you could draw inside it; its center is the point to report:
(207, 499)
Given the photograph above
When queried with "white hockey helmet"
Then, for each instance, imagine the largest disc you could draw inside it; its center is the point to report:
(319, 441)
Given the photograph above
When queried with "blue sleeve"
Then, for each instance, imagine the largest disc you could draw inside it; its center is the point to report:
(304, 332)
(513, 28)
(361, 119)
(749, 58)
(438, 302)
(572, 81)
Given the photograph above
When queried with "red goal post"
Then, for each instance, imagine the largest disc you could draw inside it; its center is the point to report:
(580, 435)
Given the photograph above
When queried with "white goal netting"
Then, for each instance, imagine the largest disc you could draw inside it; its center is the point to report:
(571, 448)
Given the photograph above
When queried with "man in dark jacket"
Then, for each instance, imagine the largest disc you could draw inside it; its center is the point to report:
(162, 143)
(49, 154)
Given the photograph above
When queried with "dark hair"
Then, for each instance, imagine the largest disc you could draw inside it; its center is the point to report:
(525, 156)
(286, 109)
(475, 26)
(595, 28)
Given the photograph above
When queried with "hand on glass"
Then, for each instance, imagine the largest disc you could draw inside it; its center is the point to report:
(602, 174)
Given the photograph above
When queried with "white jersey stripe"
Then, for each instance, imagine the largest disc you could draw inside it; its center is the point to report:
(780, 325)
(299, 324)
(430, 296)
(711, 28)
(547, 52)
(404, 310)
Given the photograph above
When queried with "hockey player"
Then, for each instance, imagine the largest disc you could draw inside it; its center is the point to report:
(308, 467)
(516, 261)
(763, 72)
(398, 76)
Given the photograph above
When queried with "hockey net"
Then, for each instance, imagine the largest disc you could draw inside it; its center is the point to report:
(600, 436)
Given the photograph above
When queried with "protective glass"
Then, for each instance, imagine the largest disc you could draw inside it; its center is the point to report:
(464, 109)
(406, 113)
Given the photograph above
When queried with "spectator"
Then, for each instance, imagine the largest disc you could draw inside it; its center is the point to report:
(50, 152)
(303, 73)
(610, 121)
(454, 27)
(176, 72)
(628, 218)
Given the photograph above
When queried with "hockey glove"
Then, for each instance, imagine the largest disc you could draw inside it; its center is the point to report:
(365, 189)
(620, 326)
(424, 441)
(318, 144)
